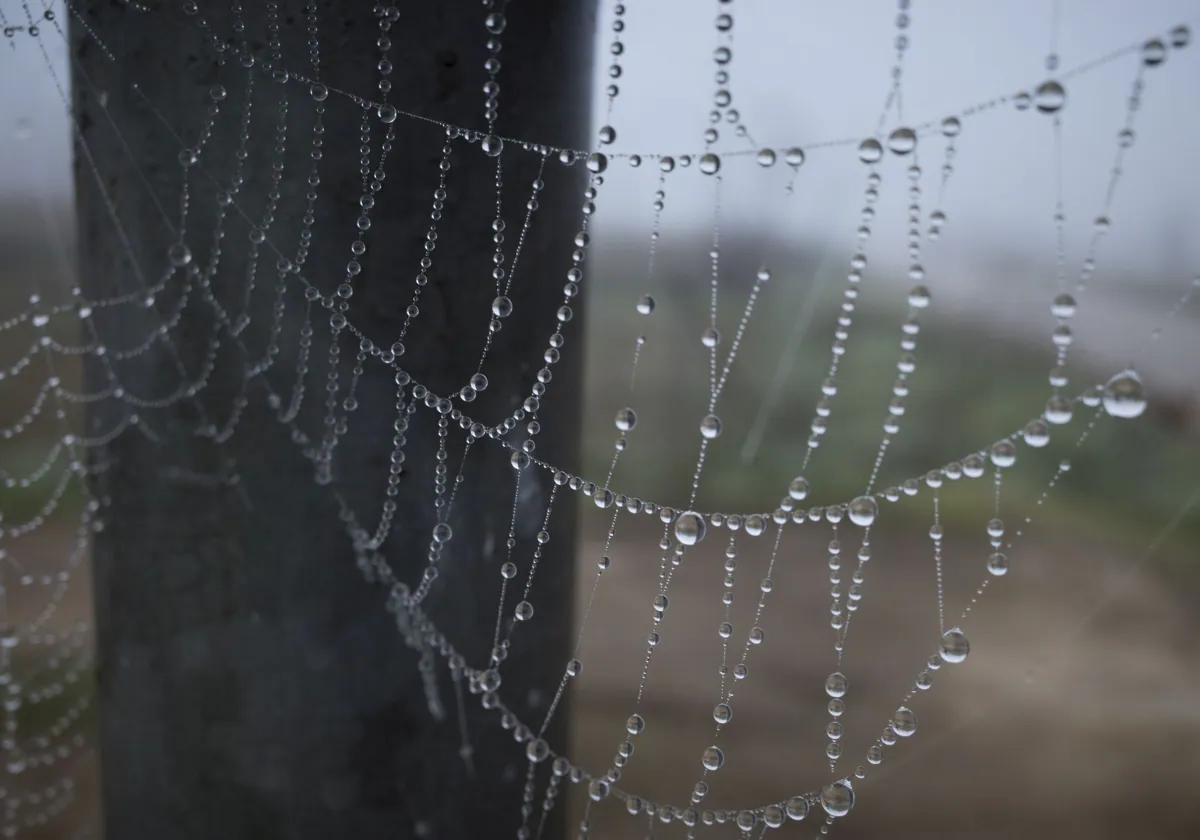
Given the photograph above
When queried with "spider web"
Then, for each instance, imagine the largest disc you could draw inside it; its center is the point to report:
(306, 363)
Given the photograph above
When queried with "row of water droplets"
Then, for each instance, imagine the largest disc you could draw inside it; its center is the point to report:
(689, 527)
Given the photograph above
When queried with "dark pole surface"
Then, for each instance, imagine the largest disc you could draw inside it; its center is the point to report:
(252, 684)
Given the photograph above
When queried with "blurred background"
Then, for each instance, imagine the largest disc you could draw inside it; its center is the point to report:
(1078, 711)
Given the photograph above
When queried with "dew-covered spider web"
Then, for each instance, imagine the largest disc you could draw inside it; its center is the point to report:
(799, 467)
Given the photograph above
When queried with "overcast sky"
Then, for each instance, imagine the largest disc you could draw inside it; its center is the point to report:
(809, 71)
(804, 72)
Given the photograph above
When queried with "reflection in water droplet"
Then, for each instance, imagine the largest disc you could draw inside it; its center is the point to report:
(1123, 395)
(1050, 97)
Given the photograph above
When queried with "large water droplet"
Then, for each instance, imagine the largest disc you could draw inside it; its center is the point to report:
(997, 564)
(837, 798)
(502, 307)
(904, 722)
(902, 141)
(797, 808)
(690, 528)
(537, 750)
(1063, 306)
(597, 162)
(179, 255)
(1049, 97)
(710, 164)
(722, 713)
(713, 758)
(955, 646)
(1123, 395)
(635, 725)
(836, 684)
(710, 427)
(626, 419)
(492, 145)
(1154, 52)
(863, 511)
(645, 305)
(870, 151)
(919, 297)
(798, 489)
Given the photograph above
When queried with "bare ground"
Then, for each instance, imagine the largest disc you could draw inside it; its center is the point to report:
(1101, 739)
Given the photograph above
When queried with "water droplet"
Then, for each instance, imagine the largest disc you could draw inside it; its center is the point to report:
(711, 337)
(598, 789)
(1059, 410)
(904, 722)
(836, 684)
(713, 758)
(1181, 36)
(635, 725)
(1003, 453)
(997, 564)
(495, 23)
(766, 157)
(951, 127)
(645, 305)
(798, 489)
(794, 156)
(722, 713)
(442, 533)
(772, 815)
(797, 808)
(1123, 395)
(626, 419)
(1036, 433)
(666, 163)
(710, 427)
(1154, 52)
(1063, 306)
(1049, 97)
(863, 511)
(607, 134)
(710, 164)
(524, 611)
(919, 297)
(875, 754)
(837, 798)
(690, 528)
(179, 255)
(217, 92)
(318, 92)
(479, 382)
(955, 647)
(492, 145)
(902, 141)
(537, 750)
(387, 113)
(870, 151)
(597, 162)
(502, 307)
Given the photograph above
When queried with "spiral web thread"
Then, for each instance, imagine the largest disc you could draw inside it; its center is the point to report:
(184, 278)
